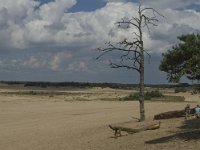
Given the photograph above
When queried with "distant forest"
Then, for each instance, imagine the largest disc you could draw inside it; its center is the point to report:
(89, 85)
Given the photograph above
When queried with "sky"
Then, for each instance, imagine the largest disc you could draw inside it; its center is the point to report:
(55, 40)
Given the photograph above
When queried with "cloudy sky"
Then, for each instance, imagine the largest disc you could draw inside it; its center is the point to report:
(55, 40)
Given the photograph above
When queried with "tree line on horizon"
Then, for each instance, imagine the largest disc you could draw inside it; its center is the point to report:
(44, 84)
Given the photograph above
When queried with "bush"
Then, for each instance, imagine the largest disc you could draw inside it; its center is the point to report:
(173, 99)
(32, 93)
(147, 95)
(196, 90)
(180, 89)
(131, 97)
(153, 94)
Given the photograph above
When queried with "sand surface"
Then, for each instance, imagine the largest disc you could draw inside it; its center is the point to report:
(39, 123)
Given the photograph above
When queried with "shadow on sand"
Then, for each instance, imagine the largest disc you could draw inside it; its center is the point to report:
(190, 130)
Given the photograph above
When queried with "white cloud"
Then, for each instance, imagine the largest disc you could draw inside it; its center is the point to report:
(26, 22)
(58, 59)
(78, 66)
(26, 25)
(19, 9)
(36, 32)
(163, 4)
(32, 62)
(84, 29)
(53, 11)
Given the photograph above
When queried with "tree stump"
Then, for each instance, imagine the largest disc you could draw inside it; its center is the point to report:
(118, 129)
(173, 114)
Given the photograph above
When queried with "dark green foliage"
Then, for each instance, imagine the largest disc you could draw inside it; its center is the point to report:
(196, 89)
(147, 95)
(180, 89)
(153, 94)
(33, 93)
(88, 85)
(183, 59)
(131, 97)
(172, 99)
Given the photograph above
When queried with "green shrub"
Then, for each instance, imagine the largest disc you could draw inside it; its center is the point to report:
(147, 95)
(131, 97)
(196, 90)
(174, 99)
(32, 93)
(180, 89)
(153, 94)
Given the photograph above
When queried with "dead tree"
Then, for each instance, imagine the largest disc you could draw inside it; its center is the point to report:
(173, 114)
(118, 129)
(131, 51)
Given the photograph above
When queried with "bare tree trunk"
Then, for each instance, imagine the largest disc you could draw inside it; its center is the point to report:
(141, 85)
(173, 114)
(118, 129)
(141, 100)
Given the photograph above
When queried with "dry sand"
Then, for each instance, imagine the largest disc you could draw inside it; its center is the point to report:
(39, 123)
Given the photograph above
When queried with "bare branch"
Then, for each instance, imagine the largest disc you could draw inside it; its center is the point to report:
(135, 19)
(149, 21)
(136, 42)
(113, 65)
(104, 52)
(111, 47)
(125, 56)
(153, 10)
(128, 22)
(136, 34)
(148, 55)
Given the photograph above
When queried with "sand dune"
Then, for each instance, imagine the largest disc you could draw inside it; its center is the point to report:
(35, 123)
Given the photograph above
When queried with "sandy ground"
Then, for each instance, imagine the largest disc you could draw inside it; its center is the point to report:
(38, 123)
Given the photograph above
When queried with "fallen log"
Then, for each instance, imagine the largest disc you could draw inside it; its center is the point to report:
(172, 114)
(118, 129)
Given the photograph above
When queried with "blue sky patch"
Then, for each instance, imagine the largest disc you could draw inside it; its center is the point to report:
(45, 1)
(194, 6)
(87, 5)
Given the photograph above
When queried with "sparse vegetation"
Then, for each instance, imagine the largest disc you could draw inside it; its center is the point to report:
(154, 96)
(33, 93)
(147, 96)
(180, 89)
(195, 89)
(170, 98)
